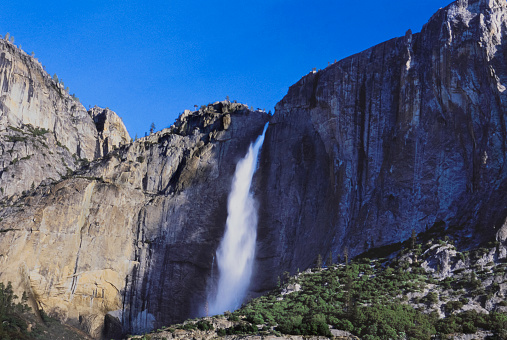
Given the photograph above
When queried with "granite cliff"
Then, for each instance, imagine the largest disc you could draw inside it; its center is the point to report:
(126, 242)
(45, 133)
(118, 237)
(407, 135)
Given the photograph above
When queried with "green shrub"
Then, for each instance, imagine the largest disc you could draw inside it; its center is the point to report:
(204, 325)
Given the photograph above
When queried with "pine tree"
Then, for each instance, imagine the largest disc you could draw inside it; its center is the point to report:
(318, 263)
(413, 239)
(346, 255)
(7, 35)
(286, 277)
(152, 128)
(330, 260)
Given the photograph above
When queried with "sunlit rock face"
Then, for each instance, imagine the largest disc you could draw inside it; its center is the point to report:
(112, 133)
(28, 95)
(130, 237)
(406, 135)
(44, 132)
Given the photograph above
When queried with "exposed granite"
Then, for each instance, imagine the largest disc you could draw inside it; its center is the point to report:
(404, 136)
(129, 239)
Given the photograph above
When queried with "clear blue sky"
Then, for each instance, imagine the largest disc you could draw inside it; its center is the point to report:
(150, 60)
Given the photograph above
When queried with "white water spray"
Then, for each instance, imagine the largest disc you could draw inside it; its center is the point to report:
(236, 252)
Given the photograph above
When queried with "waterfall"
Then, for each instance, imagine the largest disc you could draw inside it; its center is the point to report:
(236, 252)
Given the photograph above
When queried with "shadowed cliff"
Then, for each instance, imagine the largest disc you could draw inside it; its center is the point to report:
(404, 136)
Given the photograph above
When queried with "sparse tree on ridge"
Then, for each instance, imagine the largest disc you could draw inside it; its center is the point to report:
(152, 128)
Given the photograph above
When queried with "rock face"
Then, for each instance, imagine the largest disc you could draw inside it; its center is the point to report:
(112, 132)
(45, 134)
(407, 135)
(130, 238)
(28, 95)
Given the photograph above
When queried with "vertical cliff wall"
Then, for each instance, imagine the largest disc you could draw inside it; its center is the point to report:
(45, 134)
(28, 95)
(404, 136)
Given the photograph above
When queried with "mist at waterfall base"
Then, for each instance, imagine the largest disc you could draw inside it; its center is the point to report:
(236, 252)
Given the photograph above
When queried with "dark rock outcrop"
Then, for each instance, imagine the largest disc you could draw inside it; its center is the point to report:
(404, 136)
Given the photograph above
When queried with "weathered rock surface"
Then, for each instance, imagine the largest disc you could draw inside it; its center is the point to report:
(407, 135)
(45, 133)
(404, 136)
(111, 131)
(130, 238)
(28, 95)
(31, 156)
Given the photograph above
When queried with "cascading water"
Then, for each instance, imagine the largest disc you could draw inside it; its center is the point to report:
(236, 252)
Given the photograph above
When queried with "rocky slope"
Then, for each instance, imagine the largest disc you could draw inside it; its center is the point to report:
(420, 290)
(407, 135)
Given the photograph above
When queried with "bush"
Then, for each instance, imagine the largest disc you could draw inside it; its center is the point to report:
(344, 325)
(204, 325)
(242, 328)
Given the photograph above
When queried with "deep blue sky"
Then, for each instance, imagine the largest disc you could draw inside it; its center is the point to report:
(150, 60)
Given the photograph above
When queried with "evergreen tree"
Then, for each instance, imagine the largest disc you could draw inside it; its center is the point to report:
(413, 239)
(152, 128)
(330, 259)
(318, 263)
